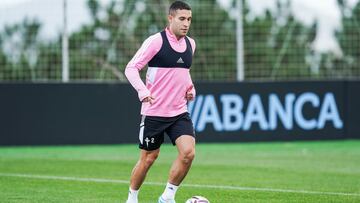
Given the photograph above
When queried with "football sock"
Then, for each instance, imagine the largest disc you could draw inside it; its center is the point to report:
(133, 196)
(170, 191)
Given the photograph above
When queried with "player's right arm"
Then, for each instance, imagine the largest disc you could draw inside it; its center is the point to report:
(147, 51)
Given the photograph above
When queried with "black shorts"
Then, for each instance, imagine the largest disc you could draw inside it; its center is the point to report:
(153, 128)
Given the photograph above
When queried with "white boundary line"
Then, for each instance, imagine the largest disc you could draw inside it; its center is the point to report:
(100, 180)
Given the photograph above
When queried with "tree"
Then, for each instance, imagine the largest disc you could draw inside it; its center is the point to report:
(19, 54)
(349, 39)
(101, 49)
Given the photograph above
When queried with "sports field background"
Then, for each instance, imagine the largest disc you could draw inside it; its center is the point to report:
(326, 171)
(279, 44)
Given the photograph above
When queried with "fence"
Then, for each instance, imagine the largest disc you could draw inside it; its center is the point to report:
(283, 40)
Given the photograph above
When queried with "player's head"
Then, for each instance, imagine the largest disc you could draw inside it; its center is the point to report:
(179, 18)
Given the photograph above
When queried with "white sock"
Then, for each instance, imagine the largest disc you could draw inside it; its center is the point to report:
(169, 192)
(133, 196)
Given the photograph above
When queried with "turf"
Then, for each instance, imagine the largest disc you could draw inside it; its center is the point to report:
(258, 172)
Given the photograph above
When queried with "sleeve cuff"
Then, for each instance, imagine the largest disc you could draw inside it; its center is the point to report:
(143, 94)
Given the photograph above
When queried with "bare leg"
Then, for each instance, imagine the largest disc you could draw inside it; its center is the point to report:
(182, 164)
(186, 153)
(141, 168)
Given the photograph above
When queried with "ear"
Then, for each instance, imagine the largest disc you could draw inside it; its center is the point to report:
(170, 18)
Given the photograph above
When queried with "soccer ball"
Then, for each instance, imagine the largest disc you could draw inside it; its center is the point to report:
(197, 199)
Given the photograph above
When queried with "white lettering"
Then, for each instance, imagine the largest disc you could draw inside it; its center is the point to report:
(299, 104)
(209, 114)
(232, 115)
(329, 112)
(287, 111)
(195, 107)
(255, 113)
(277, 111)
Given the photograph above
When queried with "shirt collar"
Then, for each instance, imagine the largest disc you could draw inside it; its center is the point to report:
(171, 37)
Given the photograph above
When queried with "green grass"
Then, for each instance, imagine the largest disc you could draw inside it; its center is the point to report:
(311, 170)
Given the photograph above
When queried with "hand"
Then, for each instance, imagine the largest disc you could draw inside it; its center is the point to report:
(149, 99)
(189, 96)
(190, 93)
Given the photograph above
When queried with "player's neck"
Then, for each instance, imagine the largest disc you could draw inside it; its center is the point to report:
(175, 36)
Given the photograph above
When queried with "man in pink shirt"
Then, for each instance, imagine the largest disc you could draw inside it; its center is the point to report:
(164, 98)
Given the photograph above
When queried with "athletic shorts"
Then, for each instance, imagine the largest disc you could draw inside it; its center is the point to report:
(153, 128)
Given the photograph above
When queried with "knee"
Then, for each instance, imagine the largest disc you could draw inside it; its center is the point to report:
(187, 156)
(150, 159)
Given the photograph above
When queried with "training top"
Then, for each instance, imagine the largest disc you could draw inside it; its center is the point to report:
(168, 74)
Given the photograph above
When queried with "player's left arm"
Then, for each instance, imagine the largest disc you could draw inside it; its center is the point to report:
(191, 92)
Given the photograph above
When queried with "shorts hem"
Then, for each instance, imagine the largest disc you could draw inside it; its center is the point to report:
(148, 149)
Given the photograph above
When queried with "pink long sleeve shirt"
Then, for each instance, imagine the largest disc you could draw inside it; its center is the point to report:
(167, 85)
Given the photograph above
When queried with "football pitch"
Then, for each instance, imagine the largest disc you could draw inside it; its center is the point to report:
(322, 171)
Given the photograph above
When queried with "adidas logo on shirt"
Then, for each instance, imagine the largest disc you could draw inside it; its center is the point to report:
(180, 60)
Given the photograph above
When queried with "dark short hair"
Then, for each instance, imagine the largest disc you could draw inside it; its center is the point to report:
(178, 5)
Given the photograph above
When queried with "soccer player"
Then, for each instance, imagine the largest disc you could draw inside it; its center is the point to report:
(164, 98)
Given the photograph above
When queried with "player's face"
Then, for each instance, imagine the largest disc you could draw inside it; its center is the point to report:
(179, 22)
